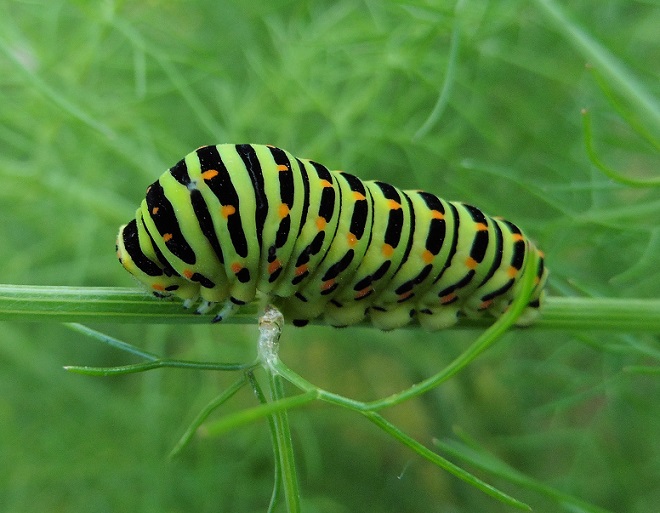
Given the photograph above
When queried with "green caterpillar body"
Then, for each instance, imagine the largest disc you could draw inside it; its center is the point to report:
(230, 221)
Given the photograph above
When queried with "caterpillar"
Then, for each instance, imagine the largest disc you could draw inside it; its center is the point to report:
(228, 222)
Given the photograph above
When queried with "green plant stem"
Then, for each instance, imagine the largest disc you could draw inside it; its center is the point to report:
(450, 77)
(206, 411)
(284, 444)
(277, 466)
(122, 305)
(153, 360)
(443, 463)
(622, 78)
(270, 329)
(311, 393)
(604, 168)
(485, 461)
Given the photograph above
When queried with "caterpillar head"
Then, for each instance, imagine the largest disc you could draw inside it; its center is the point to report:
(136, 253)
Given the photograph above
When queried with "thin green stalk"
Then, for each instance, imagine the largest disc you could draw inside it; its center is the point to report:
(313, 392)
(487, 339)
(487, 462)
(443, 463)
(630, 117)
(450, 77)
(270, 329)
(284, 444)
(250, 415)
(277, 470)
(203, 415)
(153, 360)
(70, 105)
(134, 306)
(621, 77)
(57, 98)
(178, 79)
(604, 168)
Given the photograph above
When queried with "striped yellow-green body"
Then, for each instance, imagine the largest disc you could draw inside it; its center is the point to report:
(229, 221)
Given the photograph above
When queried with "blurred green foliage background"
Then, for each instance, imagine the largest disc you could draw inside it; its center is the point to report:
(99, 98)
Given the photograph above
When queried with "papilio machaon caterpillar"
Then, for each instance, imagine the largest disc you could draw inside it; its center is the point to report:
(229, 221)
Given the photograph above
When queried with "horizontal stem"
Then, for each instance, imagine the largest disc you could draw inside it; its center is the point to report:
(123, 305)
(100, 304)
